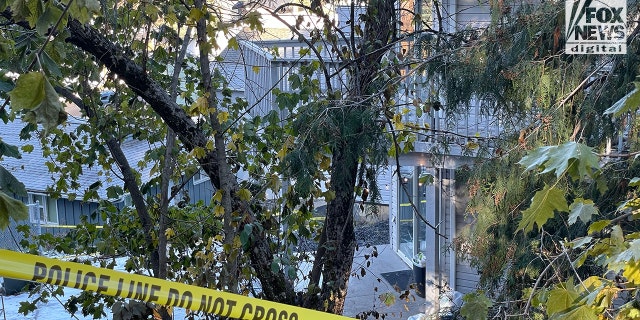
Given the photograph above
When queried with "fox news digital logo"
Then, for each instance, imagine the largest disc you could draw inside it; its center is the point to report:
(596, 26)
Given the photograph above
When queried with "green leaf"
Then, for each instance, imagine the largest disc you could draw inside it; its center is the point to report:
(577, 159)
(387, 298)
(29, 91)
(476, 306)
(7, 48)
(542, 208)
(583, 209)
(83, 9)
(598, 226)
(580, 313)
(48, 19)
(561, 299)
(634, 182)
(632, 272)
(114, 192)
(630, 254)
(50, 112)
(535, 158)
(13, 208)
(20, 9)
(9, 150)
(629, 102)
(9, 183)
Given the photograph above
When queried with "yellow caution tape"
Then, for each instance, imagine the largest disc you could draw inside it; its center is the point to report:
(161, 292)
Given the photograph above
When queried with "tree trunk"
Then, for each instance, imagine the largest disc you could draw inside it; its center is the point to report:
(339, 229)
(335, 256)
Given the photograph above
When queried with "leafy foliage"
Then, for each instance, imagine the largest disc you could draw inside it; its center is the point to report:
(543, 205)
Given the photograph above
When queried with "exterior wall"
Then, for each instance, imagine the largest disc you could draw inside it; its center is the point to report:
(70, 214)
(201, 190)
(466, 277)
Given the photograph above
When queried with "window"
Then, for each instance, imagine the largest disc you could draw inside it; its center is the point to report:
(43, 209)
(200, 177)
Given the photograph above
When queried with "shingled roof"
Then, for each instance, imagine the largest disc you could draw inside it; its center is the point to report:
(32, 171)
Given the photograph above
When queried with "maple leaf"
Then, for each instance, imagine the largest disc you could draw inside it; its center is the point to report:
(630, 254)
(561, 298)
(583, 209)
(580, 313)
(629, 102)
(542, 208)
(577, 159)
(476, 306)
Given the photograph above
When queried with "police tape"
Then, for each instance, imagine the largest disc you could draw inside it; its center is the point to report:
(138, 287)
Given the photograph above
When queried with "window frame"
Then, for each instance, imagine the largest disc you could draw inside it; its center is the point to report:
(47, 208)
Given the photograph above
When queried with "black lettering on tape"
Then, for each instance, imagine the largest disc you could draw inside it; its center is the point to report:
(141, 291)
(78, 279)
(218, 306)
(131, 287)
(119, 291)
(205, 303)
(172, 297)
(39, 271)
(153, 296)
(283, 315)
(293, 316)
(259, 314)
(230, 305)
(246, 308)
(272, 314)
(102, 287)
(67, 274)
(55, 275)
(90, 276)
(187, 297)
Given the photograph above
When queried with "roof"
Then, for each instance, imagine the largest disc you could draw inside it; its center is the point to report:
(32, 171)
(231, 66)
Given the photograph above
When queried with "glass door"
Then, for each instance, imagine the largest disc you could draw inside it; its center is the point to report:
(405, 213)
(411, 227)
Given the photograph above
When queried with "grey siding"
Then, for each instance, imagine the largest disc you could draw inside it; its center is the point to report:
(472, 14)
(466, 277)
(201, 191)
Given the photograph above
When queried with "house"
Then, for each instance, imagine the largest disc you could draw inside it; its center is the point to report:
(59, 215)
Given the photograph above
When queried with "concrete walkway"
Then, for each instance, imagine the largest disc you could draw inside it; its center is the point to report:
(364, 294)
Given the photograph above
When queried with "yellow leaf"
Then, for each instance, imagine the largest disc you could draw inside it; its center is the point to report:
(210, 146)
(282, 153)
(198, 152)
(244, 194)
(217, 197)
(169, 233)
(397, 122)
(218, 211)
(255, 69)
(223, 116)
(200, 107)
